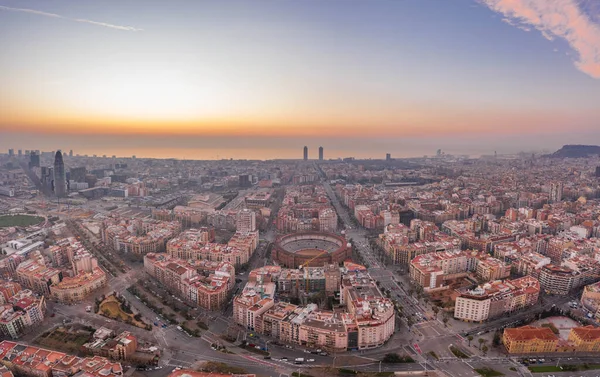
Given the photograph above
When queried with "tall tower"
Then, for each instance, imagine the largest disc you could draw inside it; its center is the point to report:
(556, 192)
(305, 153)
(60, 178)
(320, 153)
(246, 221)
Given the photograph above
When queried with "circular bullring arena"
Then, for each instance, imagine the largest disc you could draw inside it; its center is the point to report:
(310, 249)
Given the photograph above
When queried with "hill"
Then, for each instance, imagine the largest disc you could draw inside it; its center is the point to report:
(576, 151)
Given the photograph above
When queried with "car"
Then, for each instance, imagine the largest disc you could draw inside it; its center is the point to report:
(267, 357)
(310, 360)
(323, 354)
(284, 359)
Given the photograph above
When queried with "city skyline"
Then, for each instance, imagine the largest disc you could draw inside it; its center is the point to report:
(233, 80)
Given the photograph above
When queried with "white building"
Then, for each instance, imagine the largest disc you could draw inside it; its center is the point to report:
(246, 221)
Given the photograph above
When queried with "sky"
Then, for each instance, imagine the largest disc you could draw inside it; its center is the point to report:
(261, 79)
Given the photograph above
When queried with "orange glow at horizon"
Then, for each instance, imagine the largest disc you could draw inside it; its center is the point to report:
(417, 123)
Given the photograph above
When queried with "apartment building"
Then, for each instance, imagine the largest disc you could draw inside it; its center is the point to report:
(495, 299)
(431, 270)
(139, 236)
(33, 275)
(202, 283)
(26, 360)
(78, 287)
(590, 298)
(367, 322)
(192, 245)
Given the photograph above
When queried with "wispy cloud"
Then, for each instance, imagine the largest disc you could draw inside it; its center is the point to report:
(557, 19)
(41, 13)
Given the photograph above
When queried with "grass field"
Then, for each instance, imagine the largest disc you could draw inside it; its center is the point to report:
(552, 368)
(111, 308)
(66, 340)
(19, 220)
(488, 372)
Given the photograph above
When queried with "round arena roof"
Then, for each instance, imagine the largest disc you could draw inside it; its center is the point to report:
(312, 248)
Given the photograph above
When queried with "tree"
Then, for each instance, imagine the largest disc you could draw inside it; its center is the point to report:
(436, 310)
(484, 349)
(481, 341)
(445, 320)
(470, 338)
(497, 339)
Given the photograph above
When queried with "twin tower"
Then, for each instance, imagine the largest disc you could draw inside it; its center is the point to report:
(306, 153)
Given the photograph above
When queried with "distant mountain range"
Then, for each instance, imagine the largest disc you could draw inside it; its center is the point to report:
(576, 151)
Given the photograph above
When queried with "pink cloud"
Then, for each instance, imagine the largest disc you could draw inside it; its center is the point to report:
(557, 19)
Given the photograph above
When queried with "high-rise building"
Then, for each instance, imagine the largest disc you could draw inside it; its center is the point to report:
(78, 174)
(305, 153)
(388, 156)
(556, 192)
(597, 171)
(20, 152)
(320, 153)
(71, 153)
(246, 221)
(34, 160)
(11, 152)
(244, 180)
(60, 178)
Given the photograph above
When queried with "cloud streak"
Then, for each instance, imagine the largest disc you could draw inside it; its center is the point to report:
(557, 19)
(82, 20)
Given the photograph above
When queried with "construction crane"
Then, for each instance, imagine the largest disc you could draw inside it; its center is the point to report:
(308, 265)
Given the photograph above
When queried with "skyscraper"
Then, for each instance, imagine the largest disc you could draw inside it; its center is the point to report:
(388, 156)
(60, 178)
(320, 153)
(597, 171)
(34, 160)
(305, 153)
(11, 152)
(71, 153)
(556, 192)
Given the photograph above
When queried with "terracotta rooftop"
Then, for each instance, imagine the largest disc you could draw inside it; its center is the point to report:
(587, 332)
(530, 333)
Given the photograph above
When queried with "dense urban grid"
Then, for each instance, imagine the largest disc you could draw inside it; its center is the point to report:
(441, 265)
